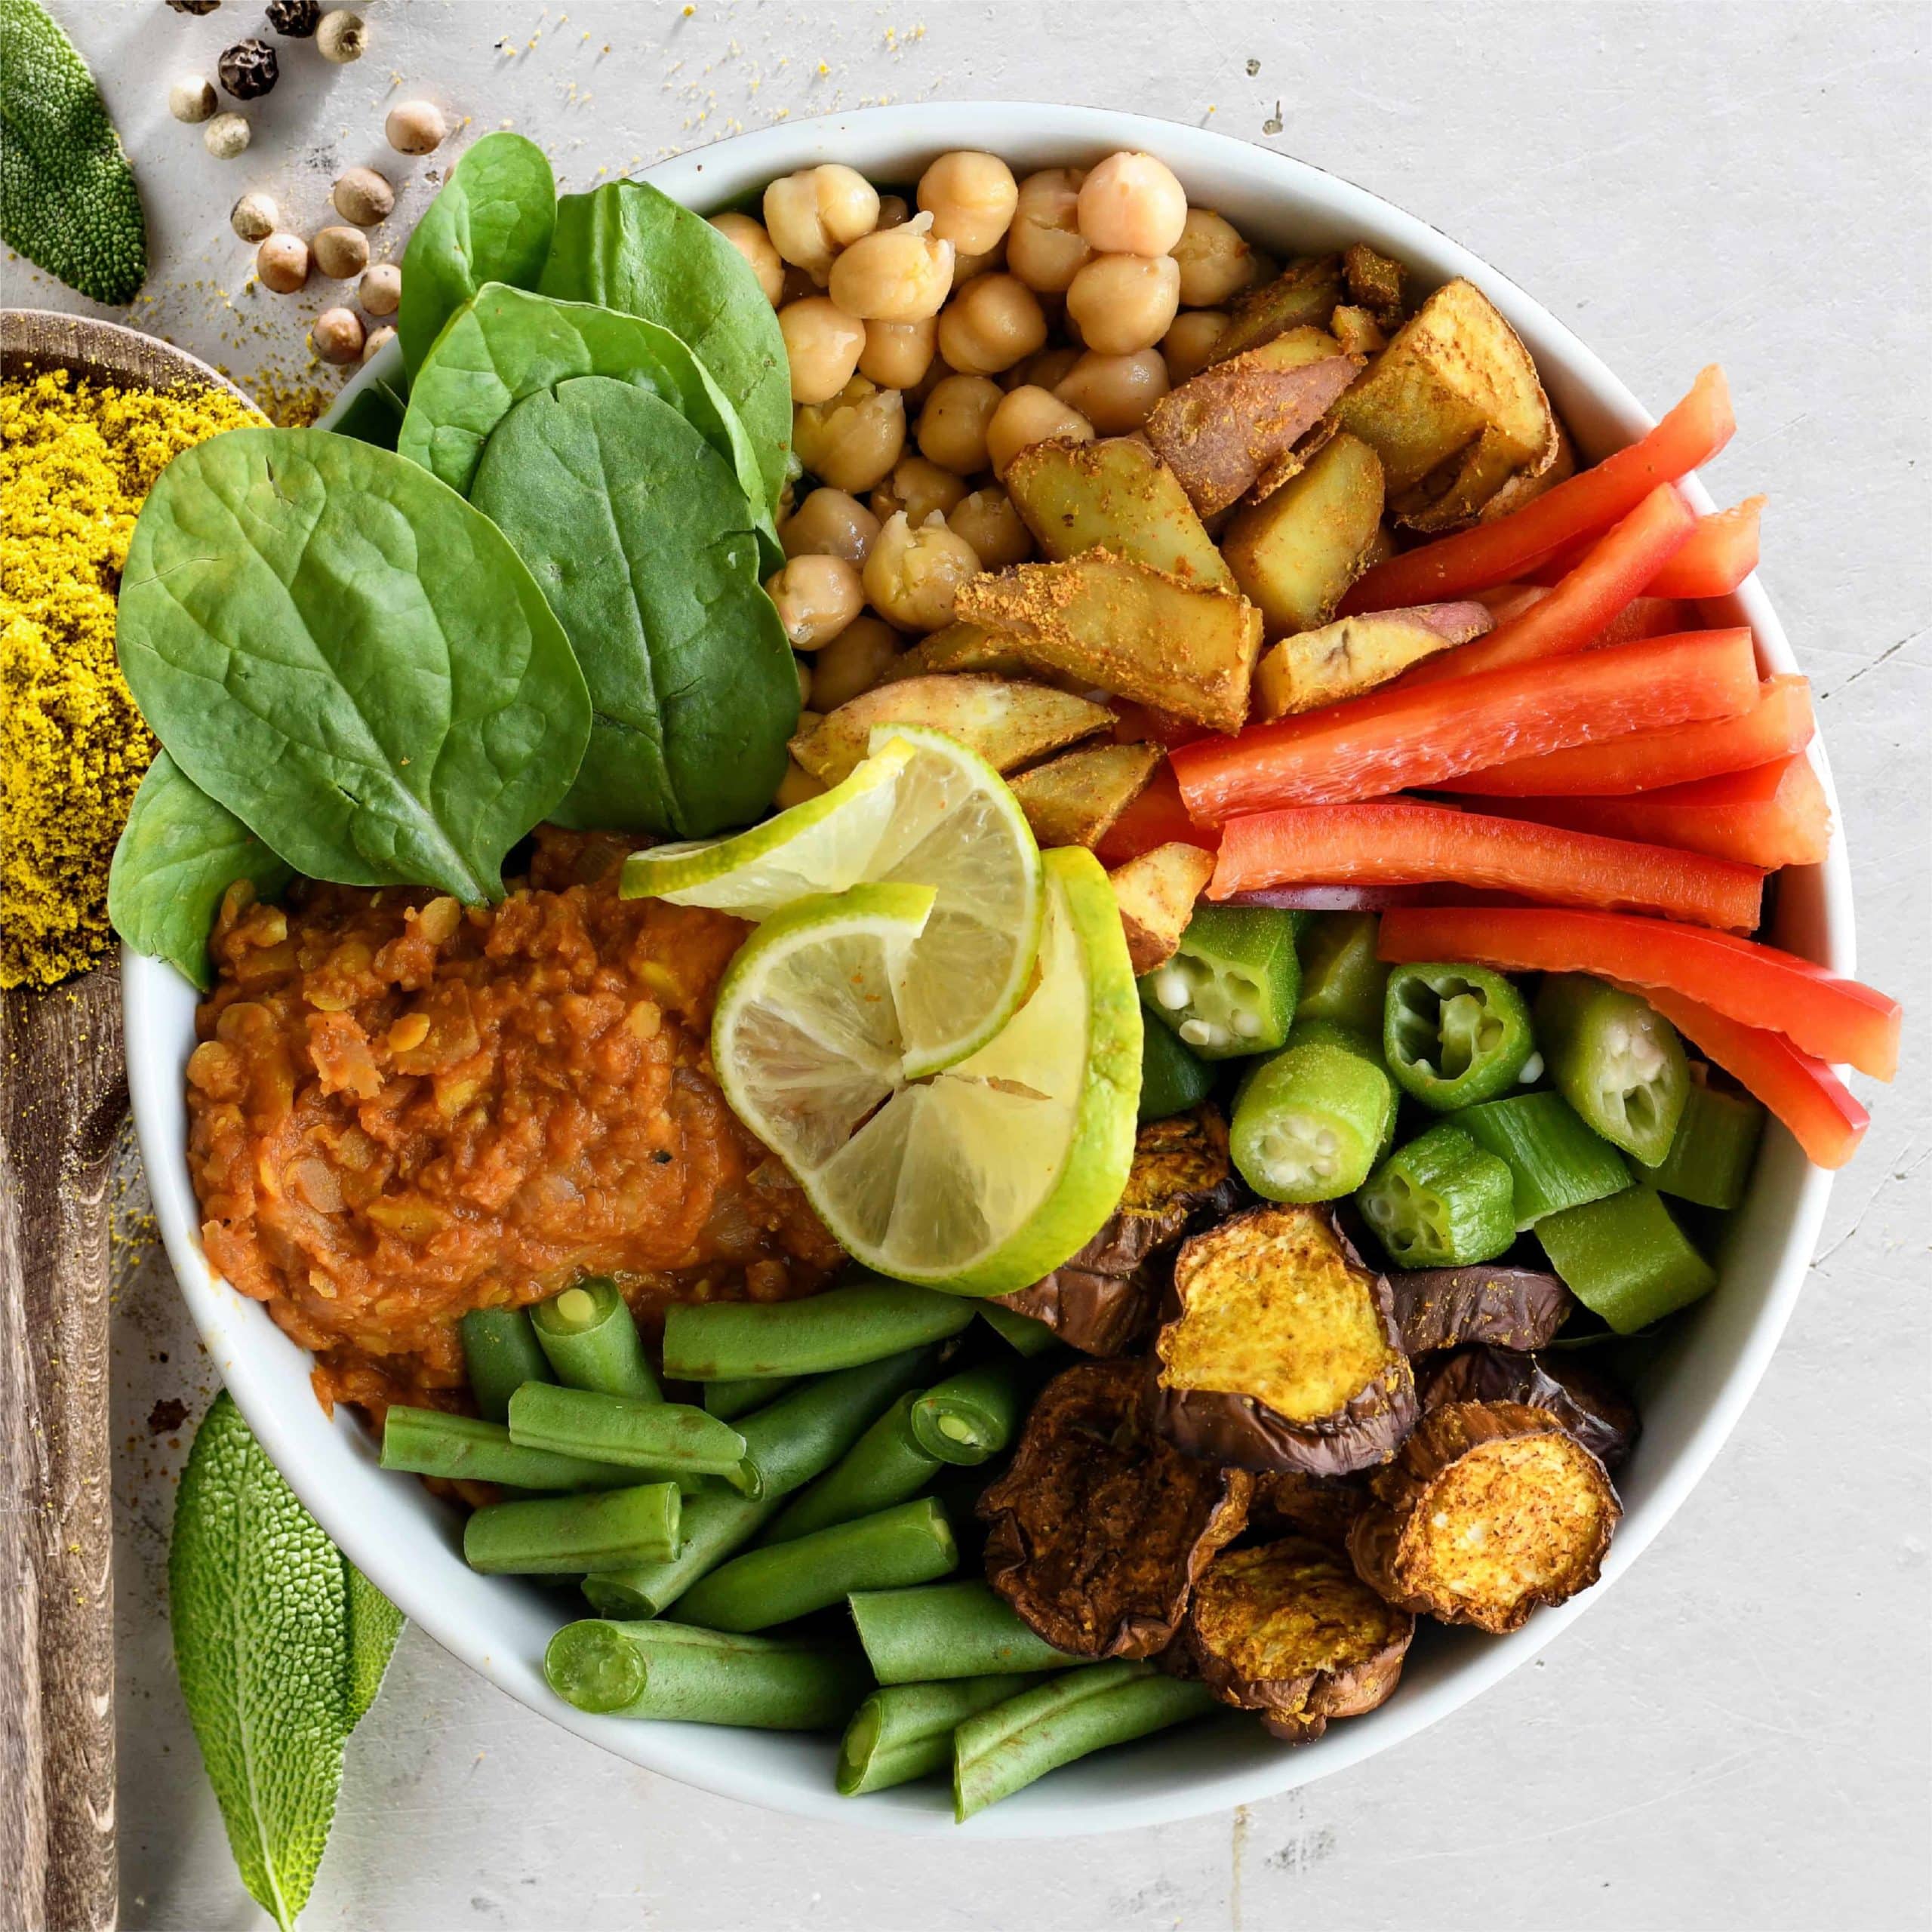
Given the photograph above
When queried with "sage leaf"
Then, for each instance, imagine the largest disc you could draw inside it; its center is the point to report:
(374, 1625)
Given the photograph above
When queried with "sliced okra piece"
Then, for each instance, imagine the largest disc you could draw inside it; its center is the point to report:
(1231, 987)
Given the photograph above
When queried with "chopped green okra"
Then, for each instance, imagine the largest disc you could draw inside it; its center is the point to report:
(1172, 1079)
(1556, 1161)
(1342, 978)
(1311, 1122)
(1231, 988)
(1626, 1259)
(1616, 1060)
(1440, 1202)
(1711, 1153)
(1454, 1036)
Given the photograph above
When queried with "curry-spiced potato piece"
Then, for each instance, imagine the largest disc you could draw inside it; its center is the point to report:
(1587, 1403)
(1104, 1300)
(1287, 1629)
(1489, 1510)
(1281, 1349)
(1510, 1308)
(1290, 1502)
(1099, 1528)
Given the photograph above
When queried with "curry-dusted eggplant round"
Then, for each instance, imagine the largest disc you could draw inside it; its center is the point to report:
(1584, 1400)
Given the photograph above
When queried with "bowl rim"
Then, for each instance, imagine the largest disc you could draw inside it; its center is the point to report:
(226, 1321)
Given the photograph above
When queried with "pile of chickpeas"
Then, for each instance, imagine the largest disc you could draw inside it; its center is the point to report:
(1000, 313)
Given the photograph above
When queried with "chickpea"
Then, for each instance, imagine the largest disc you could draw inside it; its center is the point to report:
(1188, 345)
(1027, 416)
(853, 441)
(854, 661)
(990, 324)
(822, 343)
(971, 197)
(936, 372)
(1046, 370)
(919, 486)
(1044, 248)
(750, 240)
(797, 287)
(912, 576)
(952, 428)
(1123, 303)
(810, 216)
(965, 267)
(796, 786)
(1132, 205)
(987, 521)
(1215, 262)
(829, 523)
(898, 355)
(902, 276)
(893, 212)
(1116, 393)
(816, 597)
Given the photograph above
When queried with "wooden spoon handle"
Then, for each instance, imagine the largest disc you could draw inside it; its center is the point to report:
(62, 1094)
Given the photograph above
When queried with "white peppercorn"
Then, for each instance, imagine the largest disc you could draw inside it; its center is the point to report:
(342, 37)
(255, 216)
(378, 340)
(363, 196)
(415, 126)
(226, 136)
(381, 289)
(281, 263)
(340, 253)
(191, 99)
(337, 334)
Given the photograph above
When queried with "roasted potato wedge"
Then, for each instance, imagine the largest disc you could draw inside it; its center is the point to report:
(1280, 1350)
(1115, 495)
(957, 647)
(1446, 1307)
(1072, 799)
(1099, 1528)
(1589, 1405)
(1489, 1510)
(1219, 431)
(1355, 654)
(1357, 331)
(1304, 296)
(1375, 282)
(1523, 487)
(1128, 629)
(1007, 722)
(1156, 893)
(1295, 553)
(1287, 1629)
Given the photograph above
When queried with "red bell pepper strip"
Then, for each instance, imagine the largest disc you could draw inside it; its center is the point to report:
(1756, 985)
(1156, 817)
(1721, 553)
(1778, 725)
(1592, 500)
(1402, 841)
(1642, 617)
(1576, 613)
(1799, 1088)
(1771, 815)
(1398, 739)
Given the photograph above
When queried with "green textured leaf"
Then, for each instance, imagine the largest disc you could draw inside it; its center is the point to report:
(374, 1625)
(68, 200)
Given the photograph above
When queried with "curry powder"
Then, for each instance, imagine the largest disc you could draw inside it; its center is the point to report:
(76, 458)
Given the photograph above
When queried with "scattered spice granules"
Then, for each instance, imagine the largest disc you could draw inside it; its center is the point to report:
(76, 458)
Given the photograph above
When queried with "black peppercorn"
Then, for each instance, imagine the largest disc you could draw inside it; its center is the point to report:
(295, 19)
(195, 7)
(247, 70)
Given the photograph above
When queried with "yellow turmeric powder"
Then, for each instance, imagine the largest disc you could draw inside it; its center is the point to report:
(76, 458)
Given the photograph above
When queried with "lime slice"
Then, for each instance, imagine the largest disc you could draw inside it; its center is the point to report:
(923, 811)
(980, 1178)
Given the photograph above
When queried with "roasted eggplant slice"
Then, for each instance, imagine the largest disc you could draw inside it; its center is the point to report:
(1287, 1503)
(1489, 1510)
(1589, 1405)
(1287, 1629)
(1512, 1308)
(1099, 1528)
(1280, 1350)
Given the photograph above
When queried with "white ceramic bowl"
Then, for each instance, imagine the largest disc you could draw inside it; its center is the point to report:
(1690, 1396)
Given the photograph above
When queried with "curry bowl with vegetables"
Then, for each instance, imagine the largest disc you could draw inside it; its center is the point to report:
(991, 953)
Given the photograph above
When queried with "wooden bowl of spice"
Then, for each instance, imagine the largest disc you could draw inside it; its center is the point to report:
(91, 413)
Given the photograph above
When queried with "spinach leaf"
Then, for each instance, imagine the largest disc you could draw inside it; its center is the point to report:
(492, 222)
(339, 650)
(179, 852)
(640, 538)
(629, 246)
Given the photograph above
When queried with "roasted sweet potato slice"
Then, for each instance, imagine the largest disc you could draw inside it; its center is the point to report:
(1127, 629)
(1115, 495)
(1099, 1528)
(1304, 296)
(1288, 1501)
(1523, 488)
(1355, 654)
(1445, 1308)
(1489, 1510)
(1287, 1629)
(1156, 893)
(1294, 554)
(1588, 1403)
(1072, 799)
(1281, 1350)
(1375, 281)
(957, 647)
(1104, 1300)
(1007, 722)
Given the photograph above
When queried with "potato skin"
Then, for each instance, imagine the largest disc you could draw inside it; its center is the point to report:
(1511, 1308)
(1589, 1405)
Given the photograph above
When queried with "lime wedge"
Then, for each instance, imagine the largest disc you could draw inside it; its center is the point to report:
(921, 809)
(980, 1178)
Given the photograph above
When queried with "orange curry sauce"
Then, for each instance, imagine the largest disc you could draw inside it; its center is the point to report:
(401, 1110)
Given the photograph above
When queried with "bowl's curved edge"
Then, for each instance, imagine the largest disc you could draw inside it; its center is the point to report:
(258, 1362)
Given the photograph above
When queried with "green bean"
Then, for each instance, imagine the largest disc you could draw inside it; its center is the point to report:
(562, 1536)
(686, 1675)
(432, 1442)
(905, 1731)
(1626, 1259)
(910, 1543)
(972, 1416)
(1018, 1331)
(1710, 1155)
(863, 1321)
(1554, 1160)
(1342, 979)
(884, 1467)
(1004, 1749)
(591, 1340)
(670, 1439)
(727, 1400)
(950, 1630)
(500, 1353)
(1172, 1079)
